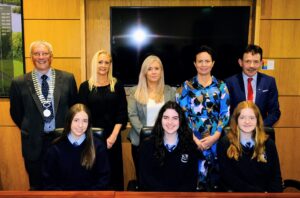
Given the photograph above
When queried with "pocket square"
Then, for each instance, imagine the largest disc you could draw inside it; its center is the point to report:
(262, 90)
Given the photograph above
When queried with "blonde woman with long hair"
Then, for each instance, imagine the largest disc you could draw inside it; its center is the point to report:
(105, 97)
(248, 158)
(146, 99)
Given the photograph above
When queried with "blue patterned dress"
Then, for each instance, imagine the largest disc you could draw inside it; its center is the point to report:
(206, 109)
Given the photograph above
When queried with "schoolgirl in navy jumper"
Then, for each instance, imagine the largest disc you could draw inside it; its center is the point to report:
(76, 160)
(248, 158)
(168, 159)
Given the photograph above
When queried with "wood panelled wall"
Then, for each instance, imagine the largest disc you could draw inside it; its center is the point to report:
(279, 38)
(58, 22)
(78, 28)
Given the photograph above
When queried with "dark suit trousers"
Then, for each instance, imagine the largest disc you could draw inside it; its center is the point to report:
(34, 168)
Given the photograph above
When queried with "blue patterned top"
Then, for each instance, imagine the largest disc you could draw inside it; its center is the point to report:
(206, 108)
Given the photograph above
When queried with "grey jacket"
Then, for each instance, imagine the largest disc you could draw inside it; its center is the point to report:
(137, 113)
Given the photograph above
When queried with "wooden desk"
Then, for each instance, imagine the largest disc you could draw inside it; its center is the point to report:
(126, 194)
(59, 194)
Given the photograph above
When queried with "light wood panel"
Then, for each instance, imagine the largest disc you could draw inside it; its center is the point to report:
(280, 9)
(256, 20)
(286, 73)
(287, 142)
(12, 169)
(97, 29)
(98, 18)
(290, 114)
(82, 40)
(5, 119)
(280, 38)
(72, 65)
(128, 165)
(53, 9)
(64, 35)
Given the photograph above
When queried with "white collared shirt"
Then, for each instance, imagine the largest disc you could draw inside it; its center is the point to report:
(79, 141)
(244, 142)
(171, 147)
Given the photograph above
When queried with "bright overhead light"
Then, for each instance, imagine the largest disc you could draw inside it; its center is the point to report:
(139, 35)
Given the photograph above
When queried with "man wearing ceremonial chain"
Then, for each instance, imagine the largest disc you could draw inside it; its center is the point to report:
(39, 101)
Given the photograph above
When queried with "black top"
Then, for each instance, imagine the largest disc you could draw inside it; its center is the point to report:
(107, 108)
(62, 168)
(178, 173)
(248, 175)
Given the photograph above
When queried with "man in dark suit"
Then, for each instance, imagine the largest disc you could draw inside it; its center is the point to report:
(255, 86)
(39, 101)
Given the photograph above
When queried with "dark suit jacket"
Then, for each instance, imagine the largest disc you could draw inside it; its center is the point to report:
(266, 96)
(26, 109)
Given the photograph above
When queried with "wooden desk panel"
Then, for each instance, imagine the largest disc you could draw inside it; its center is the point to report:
(127, 194)
(54, 194)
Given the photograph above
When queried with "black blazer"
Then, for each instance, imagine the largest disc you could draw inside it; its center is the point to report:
(27, 112)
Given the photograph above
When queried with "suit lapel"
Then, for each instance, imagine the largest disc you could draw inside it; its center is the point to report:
(258, 89)
(143, 107)
(33, 93)
(242, 86)
(57, 89)
(166, 95)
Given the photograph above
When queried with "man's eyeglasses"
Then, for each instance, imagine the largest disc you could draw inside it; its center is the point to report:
(37, 54)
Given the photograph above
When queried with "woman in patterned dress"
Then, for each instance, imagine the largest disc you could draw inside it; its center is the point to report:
(205, 101)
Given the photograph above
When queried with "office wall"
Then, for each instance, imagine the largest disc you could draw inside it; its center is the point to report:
(77, 28)
(58, 22)
(279, 37)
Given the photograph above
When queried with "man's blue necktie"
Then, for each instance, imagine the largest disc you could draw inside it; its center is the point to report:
(45, 86)
(45, 91)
